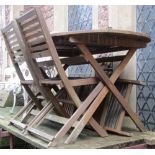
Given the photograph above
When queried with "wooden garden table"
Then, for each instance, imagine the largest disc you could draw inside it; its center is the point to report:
(88, 43)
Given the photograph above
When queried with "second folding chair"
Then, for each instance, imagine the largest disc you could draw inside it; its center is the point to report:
(14, 49)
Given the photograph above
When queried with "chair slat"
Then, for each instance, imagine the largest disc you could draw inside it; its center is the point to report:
(15, 48)
(41, 54)
(34, 35)
(7, 28)
(10, 34)
(12, 38)
(40, 134)
(27, 16)
(14, 43)
(35, 27)
(31, 23)
(39, 48)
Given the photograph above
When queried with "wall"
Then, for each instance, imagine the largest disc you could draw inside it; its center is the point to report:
(124, 18)
(146, 67)
(48, 12)
(6, 15)
(60, 18)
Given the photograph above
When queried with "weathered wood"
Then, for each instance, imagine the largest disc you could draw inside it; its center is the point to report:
(11, 38)
(15, 48)
(32, 29)
(54, 118)
(76, 115)
(66, 101)
(114, 122)
(56, 60)
(15, 43)
(123, 133)
(98, 128)
(17, 68)
(135, 82)
(58, 63)
(42, 54)
(23, 109)
(41, 115)
(51, 82)
(112, 88)
(87, 141)
(39, 48)
(34, 35)
(40, 134)
(27, 15)
(76, 82)
(7, 29)
(18, 124)
(79, 60)
(25, 82)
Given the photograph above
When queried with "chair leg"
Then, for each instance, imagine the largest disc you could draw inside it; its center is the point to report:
(22, 115)
(76, 115)
(40, 115)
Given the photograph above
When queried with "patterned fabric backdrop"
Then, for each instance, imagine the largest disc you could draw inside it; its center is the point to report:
(146, 67)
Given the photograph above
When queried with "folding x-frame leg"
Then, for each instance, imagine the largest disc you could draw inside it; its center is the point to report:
(109, 85)
(94, 105)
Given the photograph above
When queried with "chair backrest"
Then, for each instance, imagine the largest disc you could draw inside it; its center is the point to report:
(36, 44)
(14, 50)
(36, 38)
(36, 41)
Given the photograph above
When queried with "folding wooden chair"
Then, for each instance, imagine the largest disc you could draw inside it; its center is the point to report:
(29, 36)
(40, 41)
(17, 57)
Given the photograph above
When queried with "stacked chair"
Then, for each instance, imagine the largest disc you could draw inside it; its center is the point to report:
(74, 103)
(17, 57)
